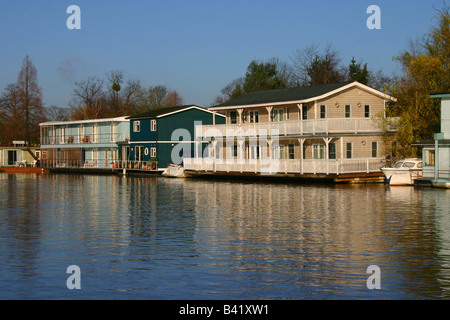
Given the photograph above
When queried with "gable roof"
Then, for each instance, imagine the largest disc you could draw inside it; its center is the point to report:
(162, 112)
(296, 95)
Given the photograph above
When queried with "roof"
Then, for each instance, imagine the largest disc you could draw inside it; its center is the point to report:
(295, 95)
(53, 123)
(158, 113)
(440, 94)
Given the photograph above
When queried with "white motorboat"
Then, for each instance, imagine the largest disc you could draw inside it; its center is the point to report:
(404, 172)
(174, 171)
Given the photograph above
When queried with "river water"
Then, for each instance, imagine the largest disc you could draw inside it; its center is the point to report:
(160, 238)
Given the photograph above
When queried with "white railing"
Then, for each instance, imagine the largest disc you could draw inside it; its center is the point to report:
(85, 139)
(290, 127)
(100, 164)
(272, 166)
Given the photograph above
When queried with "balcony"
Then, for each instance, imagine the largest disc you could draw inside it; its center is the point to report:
(85, 139)
(292, 127)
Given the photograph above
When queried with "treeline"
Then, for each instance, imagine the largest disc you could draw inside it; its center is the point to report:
(306, 67)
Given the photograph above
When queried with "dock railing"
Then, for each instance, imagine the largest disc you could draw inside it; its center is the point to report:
(280, 166)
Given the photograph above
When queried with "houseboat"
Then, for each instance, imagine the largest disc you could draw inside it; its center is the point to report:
(165, 136)
(83, 144)
(404, 172)
(315, 132)
(19, 157)
(436, 153)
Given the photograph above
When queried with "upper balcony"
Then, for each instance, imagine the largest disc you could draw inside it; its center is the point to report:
(295, 128)
(85, 139)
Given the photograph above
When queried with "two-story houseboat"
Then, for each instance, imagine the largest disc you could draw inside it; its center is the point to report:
(164, 136)
(324, 131)
(83, 143)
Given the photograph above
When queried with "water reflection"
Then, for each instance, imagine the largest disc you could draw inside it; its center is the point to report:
(157, 238)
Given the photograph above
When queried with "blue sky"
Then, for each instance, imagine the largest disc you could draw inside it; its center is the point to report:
(193, 46)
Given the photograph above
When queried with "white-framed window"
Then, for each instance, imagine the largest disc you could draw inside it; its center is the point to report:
(318, 151)
(153, 125)
(291, 151)
(136, 126)
(278, 114)
(233, 117)
(138, 153)
(254, 116)
(374, 149)
(323, 111)
(254, 152)
(279, 152)
(348, 111)
(332, 150)
(287, 113)
(429, 155)
(367, 111)
(153, 152)
(349, 150)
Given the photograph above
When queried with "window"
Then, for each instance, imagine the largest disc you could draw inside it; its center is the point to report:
(254, 116)
(347, 111)
(287, 114)
(278, 115)
(349, 150)
(304, 112)
(366, 111)
(429, 157)
(233, 117)
(291, 151)
(323, 111)
(318, 151)
(153, 125)
(254, 152)
(332, 150)
(153, 152)
(235, 150)
(374, 149)
(244, 116)
(138, 154)
(136, 126)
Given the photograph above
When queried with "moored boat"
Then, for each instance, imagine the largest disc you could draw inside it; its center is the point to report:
(174, 171)
(404, 172)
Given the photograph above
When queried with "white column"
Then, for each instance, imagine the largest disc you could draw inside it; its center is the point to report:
(240, 115)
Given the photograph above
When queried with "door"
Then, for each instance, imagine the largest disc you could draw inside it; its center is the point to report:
(12, 157)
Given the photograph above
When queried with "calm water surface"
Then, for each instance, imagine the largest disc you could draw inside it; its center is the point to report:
(158, 238)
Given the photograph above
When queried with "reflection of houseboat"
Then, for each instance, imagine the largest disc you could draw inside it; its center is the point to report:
(404, 172)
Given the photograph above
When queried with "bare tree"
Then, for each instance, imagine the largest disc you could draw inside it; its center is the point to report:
(89, 98)
(311, 66)
(29, 100)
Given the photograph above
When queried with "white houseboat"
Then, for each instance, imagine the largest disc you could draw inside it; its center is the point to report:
(325, 131)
